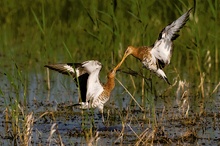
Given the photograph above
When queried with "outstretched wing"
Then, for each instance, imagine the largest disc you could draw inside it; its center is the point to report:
(162, 49)
(72, 69)
(170, 32)
(75, 70)
(89, 87)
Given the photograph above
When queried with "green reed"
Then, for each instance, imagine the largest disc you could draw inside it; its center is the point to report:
(17, 115)
(42, 32)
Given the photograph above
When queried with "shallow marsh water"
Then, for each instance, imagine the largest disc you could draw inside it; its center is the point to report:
(35, 34)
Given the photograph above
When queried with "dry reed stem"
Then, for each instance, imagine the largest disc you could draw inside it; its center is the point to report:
(58, 141)
(130, 94)
(201, 85)
(142, 91)
(52, 131)
(123, 128)
(21, 109)
(145, 136)
(23, 133)
(214, 120)
(133, 83)
(60, 138)
(29, 120)
(48, 79)
(216, 87)
(12, 118)
(45, 113)
(183, 91)
(185, 103)
(208, 63)
(6, 120)
(93, 139)
(54, 128)
(133, 131)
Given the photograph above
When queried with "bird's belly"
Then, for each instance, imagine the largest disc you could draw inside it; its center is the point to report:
(94, 93)
(101, 100)
(149, 65)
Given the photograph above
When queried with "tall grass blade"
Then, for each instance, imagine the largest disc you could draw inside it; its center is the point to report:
(38, 22)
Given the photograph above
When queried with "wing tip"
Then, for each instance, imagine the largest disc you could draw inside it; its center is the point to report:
(167, 81)
(62, 68)
(47, 65)
(50, 66)
(190, 9)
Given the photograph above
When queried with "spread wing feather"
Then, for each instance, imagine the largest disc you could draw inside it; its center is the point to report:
(68, 68)
(81, 73)
(162, 48)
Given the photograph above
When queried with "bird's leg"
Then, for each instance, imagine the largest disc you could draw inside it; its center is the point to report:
(103, 118)
(101, 111)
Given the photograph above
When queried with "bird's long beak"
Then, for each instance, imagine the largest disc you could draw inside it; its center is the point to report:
(120, 63)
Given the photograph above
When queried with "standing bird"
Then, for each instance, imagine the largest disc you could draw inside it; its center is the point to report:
(93, 93)
(157, 56)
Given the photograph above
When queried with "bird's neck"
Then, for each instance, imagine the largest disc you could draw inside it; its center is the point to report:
(138, 53)
(94, 77)
(110, 84)
(93, 84)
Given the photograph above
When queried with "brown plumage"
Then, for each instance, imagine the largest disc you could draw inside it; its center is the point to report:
(157, 56)
(93, 93)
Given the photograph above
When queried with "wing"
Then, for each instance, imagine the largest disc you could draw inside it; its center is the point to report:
(94, 87)
(170, 32)
(162, 49)
(68, 68)
(86, 75)
(83, 85)
(73, 69)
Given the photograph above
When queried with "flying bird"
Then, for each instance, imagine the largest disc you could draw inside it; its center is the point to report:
(158, 55)
(86, 74)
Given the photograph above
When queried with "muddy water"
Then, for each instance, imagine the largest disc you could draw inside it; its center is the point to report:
(173, 122)
(37, 33)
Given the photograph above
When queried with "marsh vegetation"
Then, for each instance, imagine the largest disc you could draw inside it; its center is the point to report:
(143, 109)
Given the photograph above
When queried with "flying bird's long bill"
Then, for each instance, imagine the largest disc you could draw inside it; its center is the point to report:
(120, 63)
